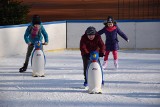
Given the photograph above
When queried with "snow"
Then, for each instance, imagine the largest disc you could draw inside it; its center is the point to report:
(135, 84)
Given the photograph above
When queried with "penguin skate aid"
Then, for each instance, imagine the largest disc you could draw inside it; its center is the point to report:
(94, 74)
(38, 60)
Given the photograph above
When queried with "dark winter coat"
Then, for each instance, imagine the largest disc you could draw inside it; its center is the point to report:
(86, 45)
(111, 42)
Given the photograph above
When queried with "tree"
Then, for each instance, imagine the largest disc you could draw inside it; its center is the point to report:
(13, 12)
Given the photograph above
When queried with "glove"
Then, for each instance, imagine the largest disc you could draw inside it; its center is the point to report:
(128, 40)
(87, 55)
(101, 54)
(29, 43)
(45, 43)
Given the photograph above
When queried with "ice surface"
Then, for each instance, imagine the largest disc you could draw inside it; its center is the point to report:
(135, 84)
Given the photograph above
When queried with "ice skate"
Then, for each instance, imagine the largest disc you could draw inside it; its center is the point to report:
(24, 68)
(116, 64)
(105, 64)
(85, 85)
(102, 83)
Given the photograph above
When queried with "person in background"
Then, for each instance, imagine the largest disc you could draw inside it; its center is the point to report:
(89, 42)
(33, 33)
(111, 30)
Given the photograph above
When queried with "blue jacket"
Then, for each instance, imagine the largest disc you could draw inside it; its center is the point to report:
(28, 38)
(111, 42)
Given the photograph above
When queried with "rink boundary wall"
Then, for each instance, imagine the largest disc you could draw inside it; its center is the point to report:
(13, 41)
(66, 35)
(143, 34)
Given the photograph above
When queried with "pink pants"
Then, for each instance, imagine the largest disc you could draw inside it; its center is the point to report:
(115, 55)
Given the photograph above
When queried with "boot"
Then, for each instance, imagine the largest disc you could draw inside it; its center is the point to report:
(85, 84)
(116, 64)
(102, 83)
(24, 68)
(105, 64)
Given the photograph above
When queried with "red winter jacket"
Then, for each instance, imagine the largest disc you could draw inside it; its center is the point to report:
(86, 45)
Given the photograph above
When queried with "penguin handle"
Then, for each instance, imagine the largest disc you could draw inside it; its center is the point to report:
(33, 44)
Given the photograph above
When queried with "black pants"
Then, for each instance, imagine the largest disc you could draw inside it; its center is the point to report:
(28, 54)
(85, 65)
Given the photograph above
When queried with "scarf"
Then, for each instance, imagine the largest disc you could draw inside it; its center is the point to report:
(110, 29)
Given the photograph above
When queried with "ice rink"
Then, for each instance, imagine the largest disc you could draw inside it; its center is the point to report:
(135, 84)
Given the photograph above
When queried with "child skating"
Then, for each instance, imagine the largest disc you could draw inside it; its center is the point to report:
(111, 30)
(34, 32)
(89, 42)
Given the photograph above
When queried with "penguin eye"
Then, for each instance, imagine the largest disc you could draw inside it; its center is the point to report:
(94, 55)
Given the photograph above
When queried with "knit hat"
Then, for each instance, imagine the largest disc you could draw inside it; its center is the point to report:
(91, 31)
(36, 19)
(109, 20)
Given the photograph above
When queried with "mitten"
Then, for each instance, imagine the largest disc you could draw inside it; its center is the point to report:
(101, 54)
(87, 55)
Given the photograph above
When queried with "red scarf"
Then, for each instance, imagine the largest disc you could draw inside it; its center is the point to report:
(110, 29)
(35, 30)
